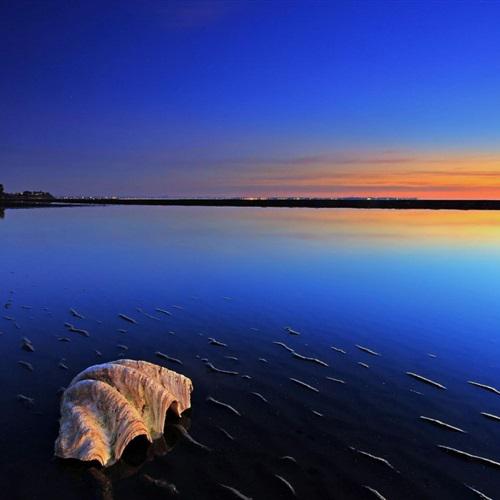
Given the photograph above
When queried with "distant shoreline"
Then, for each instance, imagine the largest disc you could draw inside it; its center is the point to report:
(33, 204)
(402, 204)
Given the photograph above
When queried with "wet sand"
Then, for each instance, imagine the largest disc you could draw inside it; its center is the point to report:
(341, 437)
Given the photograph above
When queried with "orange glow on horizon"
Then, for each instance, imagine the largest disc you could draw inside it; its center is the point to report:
(452, 176)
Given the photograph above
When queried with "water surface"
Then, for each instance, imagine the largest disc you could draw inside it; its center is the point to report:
(419, 287)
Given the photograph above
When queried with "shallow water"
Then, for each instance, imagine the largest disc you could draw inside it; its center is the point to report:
(405, 284)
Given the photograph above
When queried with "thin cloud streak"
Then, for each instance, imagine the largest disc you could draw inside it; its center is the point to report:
(342, 173)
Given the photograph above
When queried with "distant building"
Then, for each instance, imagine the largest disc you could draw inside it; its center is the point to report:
(37, 195)
(26, 195)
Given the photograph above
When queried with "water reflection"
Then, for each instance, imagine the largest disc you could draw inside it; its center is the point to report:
(381, 227)
(418, 287)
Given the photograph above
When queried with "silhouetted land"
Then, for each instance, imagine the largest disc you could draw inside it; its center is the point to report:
(305, 203)
(25, 199)
(10, 203)
(271, 202)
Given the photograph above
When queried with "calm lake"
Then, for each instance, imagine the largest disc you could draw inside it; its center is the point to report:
(420, 288)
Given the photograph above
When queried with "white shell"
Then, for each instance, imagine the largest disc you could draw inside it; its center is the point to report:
(108, 405)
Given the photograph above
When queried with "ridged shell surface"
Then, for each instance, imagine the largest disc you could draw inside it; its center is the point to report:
(108, 405)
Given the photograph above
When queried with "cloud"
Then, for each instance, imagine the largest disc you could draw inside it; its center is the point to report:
(365, 173)
(457, 174)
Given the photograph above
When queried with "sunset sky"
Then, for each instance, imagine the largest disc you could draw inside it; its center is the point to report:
(206, 98)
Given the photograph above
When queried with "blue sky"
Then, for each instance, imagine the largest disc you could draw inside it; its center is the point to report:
(213, 97)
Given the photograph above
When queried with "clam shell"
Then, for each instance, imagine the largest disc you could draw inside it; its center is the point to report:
(108, 405)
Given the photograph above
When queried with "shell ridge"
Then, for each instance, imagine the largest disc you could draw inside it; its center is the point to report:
(107, 405)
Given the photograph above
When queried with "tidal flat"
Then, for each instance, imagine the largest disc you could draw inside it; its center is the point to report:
(306, 333)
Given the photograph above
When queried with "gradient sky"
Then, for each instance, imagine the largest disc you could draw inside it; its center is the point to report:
(337, 98)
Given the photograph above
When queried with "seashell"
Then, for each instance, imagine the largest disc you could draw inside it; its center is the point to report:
(108, 405)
